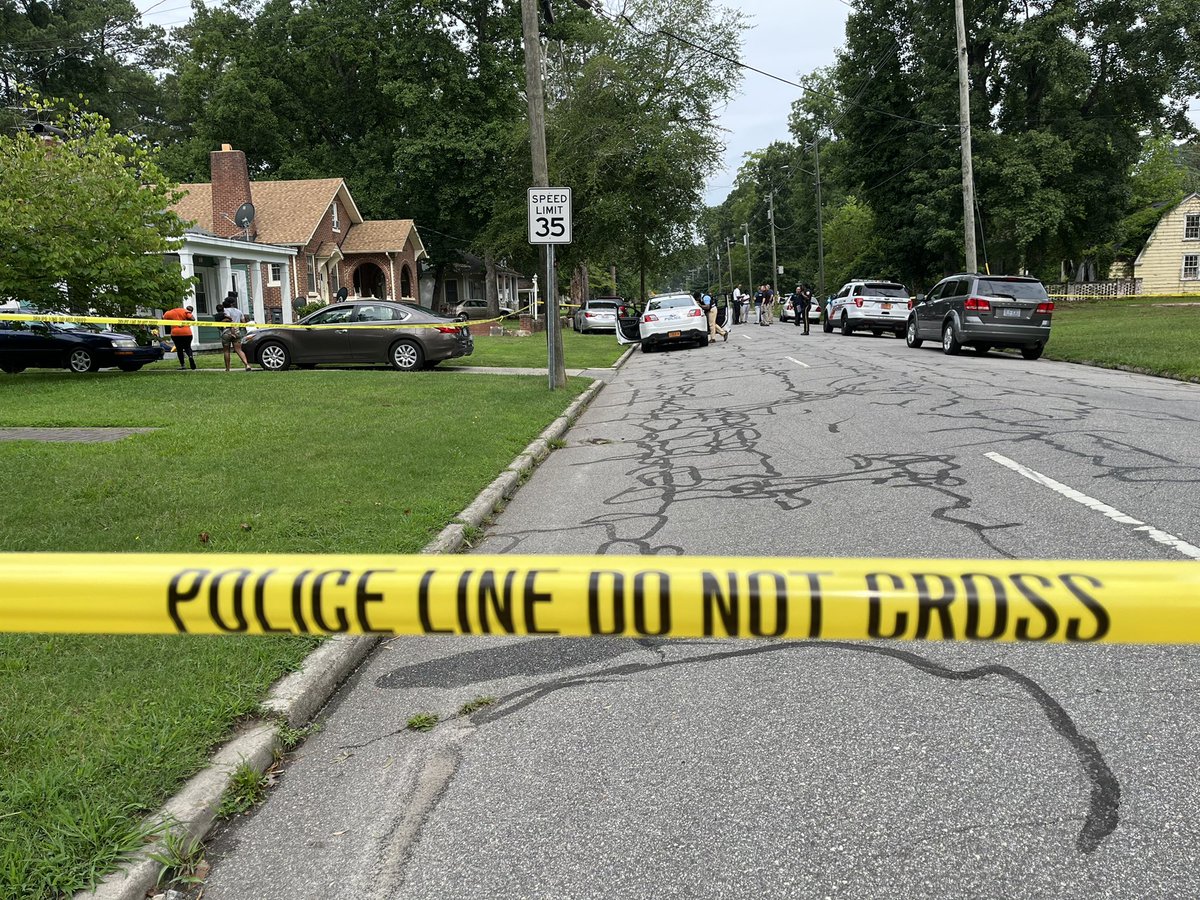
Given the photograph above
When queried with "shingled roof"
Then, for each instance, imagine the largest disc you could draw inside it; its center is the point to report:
(377, 237)
(285, 212)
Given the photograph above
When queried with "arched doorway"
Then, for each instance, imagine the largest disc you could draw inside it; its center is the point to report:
(369, 281)
(405, 282)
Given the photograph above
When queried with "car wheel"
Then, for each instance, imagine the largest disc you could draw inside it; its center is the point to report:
(12, 370)
(982, 349)
(847, 328)
(910, 335)
(274, 357)
(129, 367)
(1034, 352)
(950, 344)
(406, 356)
(81, 361)
(827, 326)
(462, 317)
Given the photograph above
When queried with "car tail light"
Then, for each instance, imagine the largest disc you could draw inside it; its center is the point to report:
(649, 317)
(696, 312)
(588, 315)
(910, 303)
(446, 329)
(977, 304)
(1046, 307)
(858, 301)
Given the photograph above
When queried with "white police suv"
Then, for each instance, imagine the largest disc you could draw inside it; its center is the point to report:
(875, 306)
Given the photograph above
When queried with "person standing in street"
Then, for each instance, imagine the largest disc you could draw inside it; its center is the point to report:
(181, 335)
(800, 302)
(710, 311)
(764, 300)
(231, 334)
(738, 297)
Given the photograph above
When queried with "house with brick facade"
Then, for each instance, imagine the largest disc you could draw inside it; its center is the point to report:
(316, 220)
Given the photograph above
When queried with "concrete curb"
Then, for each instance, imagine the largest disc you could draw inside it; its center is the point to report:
(297, 697)
(1132, 370)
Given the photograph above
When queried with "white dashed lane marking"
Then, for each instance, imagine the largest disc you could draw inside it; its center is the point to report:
(1157, 534)
(797, 362)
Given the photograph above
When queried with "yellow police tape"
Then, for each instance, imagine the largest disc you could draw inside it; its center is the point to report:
(196, 323)
(1070, 601)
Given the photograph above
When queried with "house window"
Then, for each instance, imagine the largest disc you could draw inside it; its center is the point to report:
(1191, 267)
(1191, 227)
(335, 279)
(312, 274)
(337, 223)
(275, 274)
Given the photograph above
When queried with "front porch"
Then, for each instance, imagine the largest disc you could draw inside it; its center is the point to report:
(220, 265)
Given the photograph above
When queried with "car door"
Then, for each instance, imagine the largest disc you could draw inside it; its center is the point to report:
(327, 343)
(372, 344)
(924, 311)
(952, 300)
(628, 324)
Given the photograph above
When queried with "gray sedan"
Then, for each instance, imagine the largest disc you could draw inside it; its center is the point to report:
(419, 339)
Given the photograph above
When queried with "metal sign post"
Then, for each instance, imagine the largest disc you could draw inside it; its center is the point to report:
(549, 225)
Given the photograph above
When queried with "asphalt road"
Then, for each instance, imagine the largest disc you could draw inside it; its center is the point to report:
(630, 769)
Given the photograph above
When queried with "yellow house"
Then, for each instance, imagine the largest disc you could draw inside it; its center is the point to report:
(1170, 261)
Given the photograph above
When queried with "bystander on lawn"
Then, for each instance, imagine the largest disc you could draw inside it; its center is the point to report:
(96, 731)
(1160, 336)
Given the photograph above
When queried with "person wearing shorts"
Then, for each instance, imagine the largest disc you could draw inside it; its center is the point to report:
(231, 334)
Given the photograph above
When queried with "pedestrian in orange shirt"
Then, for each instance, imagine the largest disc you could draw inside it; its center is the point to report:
(182, 334)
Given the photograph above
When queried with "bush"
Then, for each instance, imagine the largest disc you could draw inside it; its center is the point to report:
(309, 308)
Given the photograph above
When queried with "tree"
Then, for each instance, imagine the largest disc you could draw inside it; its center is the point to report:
(96, 50)
(84, 220)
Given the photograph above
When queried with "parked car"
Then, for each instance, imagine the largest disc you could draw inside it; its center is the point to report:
(875, 306)
(597, 314)
(68, 345)
(787, 314)
(985, 312)
(406, 348)
(478, 309)
(667, 319)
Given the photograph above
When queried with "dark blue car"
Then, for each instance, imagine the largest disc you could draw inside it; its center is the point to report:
(55, 345)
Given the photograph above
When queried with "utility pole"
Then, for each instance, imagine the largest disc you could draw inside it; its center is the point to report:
(820, 225)
(541, 178)
(729, 260)
(964, 126)
(749, 276)
(774, 259)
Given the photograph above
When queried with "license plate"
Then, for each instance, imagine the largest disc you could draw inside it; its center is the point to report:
(886, 306)
(1011, 312)
(672, 334)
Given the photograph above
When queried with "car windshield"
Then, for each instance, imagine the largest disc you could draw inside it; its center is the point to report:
(602, 304)
(1017, 290)
(671, 302)
(886, 290)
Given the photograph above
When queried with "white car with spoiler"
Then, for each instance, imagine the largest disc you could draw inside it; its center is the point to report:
(875, 306)
(667, 319)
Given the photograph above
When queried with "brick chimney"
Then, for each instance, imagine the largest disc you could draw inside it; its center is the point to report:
(230, 189)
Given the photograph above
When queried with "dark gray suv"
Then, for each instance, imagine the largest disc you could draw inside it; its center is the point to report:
(985, 312)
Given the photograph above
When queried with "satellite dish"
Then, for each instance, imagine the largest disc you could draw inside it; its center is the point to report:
(244, 215)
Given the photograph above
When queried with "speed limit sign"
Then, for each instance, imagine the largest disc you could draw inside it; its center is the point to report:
(549, 215)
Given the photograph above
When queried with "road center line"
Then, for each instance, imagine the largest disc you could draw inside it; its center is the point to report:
(747, 337)
(1099, 506)
(797, 362)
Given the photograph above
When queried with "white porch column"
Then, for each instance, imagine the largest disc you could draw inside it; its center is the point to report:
(224, 279)
(256, 291)
(285, 292)
(187, 268)
(392, 266)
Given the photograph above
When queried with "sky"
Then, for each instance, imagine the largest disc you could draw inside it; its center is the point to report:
(788, 38)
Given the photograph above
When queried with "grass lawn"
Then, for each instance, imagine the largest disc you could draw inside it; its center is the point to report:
(580, 351)
(97, 731)
(1145, 334)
